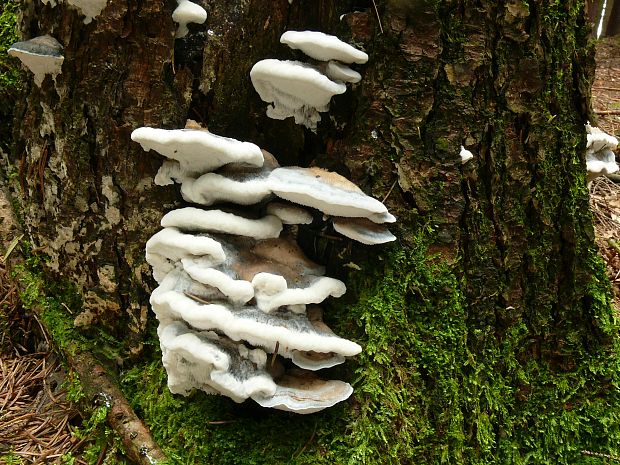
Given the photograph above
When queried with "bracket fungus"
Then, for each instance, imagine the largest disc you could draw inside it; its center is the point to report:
(41, 55)
(235, 289)
(323, 47)
(89, 8)
(303, 90)
(294, 89)
(466, 155)
(187, 12)
(600, 158)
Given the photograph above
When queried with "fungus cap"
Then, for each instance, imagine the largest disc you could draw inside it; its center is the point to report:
(198, 151)
(289, 214)
(237, 290)
(197, 219)
(300, 392)
(598, 140)
(187, 12)
(41, 55)
(363, 230)
(466, 155)
(89, 8)
(323, 47)
(213, 188)
(324, 190)
(272, 291)
(338, 72)
(294, 89)
(168, 246)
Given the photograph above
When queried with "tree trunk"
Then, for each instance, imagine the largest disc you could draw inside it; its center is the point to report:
(487, 329)
(612, 19)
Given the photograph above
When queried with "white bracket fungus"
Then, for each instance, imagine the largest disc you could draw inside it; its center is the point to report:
(600, 158)
(363, 230)
(323, 47)
(89, 8)
(187, 12)
(302, 90)
(466, 155)
(41, 55)
(339, 72)
(324, 190)
(305, 393)
(197, 151)
(272, 292)
(235, 289)
(199, 220)
(294, 89)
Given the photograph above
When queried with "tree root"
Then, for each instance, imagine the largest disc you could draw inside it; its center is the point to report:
(139, 445)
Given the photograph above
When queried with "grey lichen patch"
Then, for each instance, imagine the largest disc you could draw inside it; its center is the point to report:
(65, 235)
(109, 191)
(107, 278)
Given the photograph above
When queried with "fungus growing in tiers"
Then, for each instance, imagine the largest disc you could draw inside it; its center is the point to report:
(187, 12)
(41, 55)
(303, 90)
(235, 289)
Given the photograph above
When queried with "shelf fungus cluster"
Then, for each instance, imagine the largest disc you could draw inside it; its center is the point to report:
(600, 158)
(302, 90)
(237, 300)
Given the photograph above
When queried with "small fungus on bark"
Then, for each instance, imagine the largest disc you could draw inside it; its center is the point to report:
(187, 12)
(303, 90)
(466, 155)
(41, 55)
(89, 8)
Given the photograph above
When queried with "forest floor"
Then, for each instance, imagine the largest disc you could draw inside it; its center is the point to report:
(40, 425)
(605, 193)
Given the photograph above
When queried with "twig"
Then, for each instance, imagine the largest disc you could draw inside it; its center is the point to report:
(607, 112)
(390, 191)
(607, 88)
(601, 455)
(378, 17)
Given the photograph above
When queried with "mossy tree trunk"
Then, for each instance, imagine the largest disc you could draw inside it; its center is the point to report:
(488, 330)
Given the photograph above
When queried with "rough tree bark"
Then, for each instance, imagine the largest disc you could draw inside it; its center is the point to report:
(504, 317)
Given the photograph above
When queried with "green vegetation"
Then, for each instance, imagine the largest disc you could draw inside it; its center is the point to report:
(426, 391)
(10, 74)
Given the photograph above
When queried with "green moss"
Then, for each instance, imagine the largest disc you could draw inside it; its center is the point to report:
(10, 74)
(412, 326)
(433, 385)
